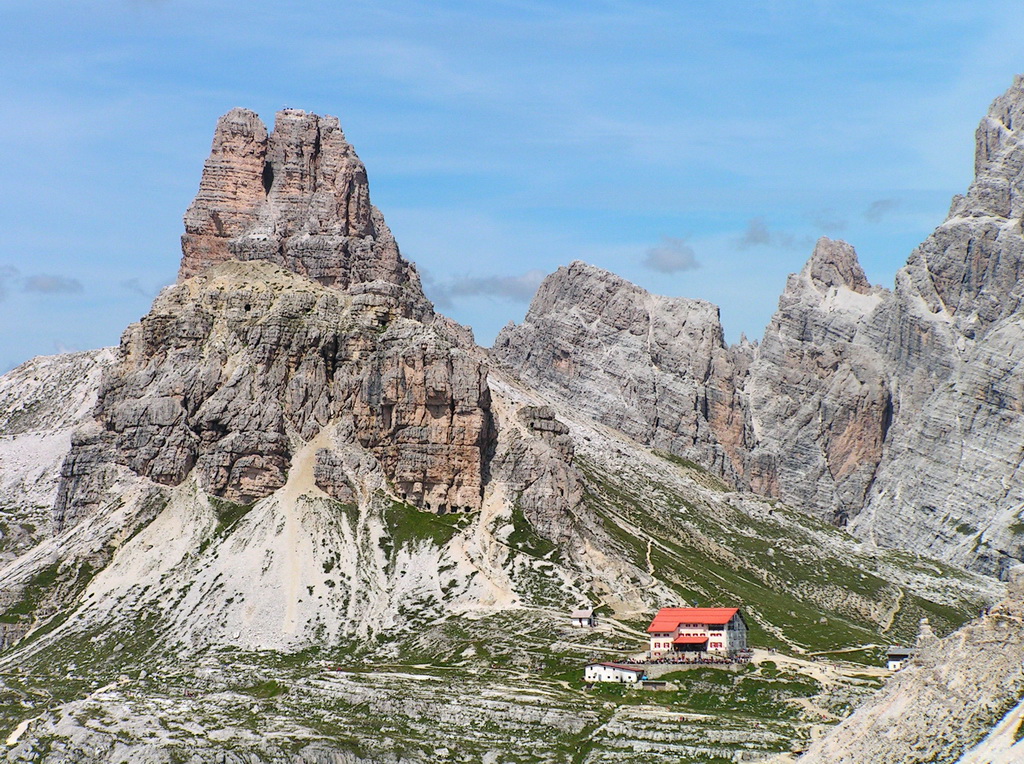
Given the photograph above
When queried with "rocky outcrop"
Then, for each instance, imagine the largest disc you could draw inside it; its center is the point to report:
(819, 400)
(233, 368)
(951, 336)
(536, 464)
(297, 197)
(41, 404)
(901, 412)
(896, 412)
(945, 701)
(294, 312)
(655, 368)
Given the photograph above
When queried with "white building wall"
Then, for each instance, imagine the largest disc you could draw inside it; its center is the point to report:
(729, 638)
(598, 673)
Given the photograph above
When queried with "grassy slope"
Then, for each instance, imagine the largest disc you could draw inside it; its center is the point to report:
(457, 687)
(804, 585)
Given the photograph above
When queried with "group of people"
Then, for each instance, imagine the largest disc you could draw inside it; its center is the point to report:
(701, 658)
(704, 659)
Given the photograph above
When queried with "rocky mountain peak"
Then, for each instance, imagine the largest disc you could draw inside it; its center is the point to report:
(835, 264)
(998, 161)
(652, 366)
(997, 131)
(970, 268)
(298, 197)
(595, 292)
(580, 285)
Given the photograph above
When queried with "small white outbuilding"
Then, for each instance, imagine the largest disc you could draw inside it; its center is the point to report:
(613, 672)
(897, 657)
(583, 618)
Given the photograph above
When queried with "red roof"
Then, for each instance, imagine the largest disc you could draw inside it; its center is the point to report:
(689, 640)
(668, 618)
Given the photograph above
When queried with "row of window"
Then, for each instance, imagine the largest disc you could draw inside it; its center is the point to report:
(666, 645)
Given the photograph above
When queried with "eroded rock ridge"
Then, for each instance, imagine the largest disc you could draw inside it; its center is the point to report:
(298, 197)
(898, 412)
(294, 314)
(656, 368)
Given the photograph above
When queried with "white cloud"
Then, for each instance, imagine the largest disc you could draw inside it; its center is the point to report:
(515, 288)
(879, 208)
(759, 235)
(51, 284)
(671, 256)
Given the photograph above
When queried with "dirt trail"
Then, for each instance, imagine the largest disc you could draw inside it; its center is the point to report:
(891, 615)
(828, 673)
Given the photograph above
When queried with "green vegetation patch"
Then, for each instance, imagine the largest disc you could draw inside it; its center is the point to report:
(708, 479)
(764, 695)
(770, 562)
(266, 690)
(228, 514)
(408, 526)
(42, 584)
(31, 595)
(525, 539)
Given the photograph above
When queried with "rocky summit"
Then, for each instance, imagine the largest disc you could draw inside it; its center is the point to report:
(895, 413)
(656, 368)
(297, 197)
(298, 516)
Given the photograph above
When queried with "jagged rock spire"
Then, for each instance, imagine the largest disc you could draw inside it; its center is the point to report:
(971, 268)
(997, 131)
(835, 264)
(298, 197)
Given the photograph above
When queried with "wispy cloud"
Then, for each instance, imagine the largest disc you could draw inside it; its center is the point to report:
(135, 286)
(7, 272)
(759, 235)
(880, 208)
(756, 235)
(520, 288)
(50, 284)
(41, 283)
(671, 256)
(827, 220)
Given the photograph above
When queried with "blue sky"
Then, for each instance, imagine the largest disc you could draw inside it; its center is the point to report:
(697, 149)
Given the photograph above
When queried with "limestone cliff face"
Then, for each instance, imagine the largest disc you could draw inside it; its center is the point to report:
(654, 367)
(41, 404)
(957, 700)
(294, 314)
(819, 400)
(951, 336)
(535, 463)
(234, 368)
(896, 412)
(297, 197)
